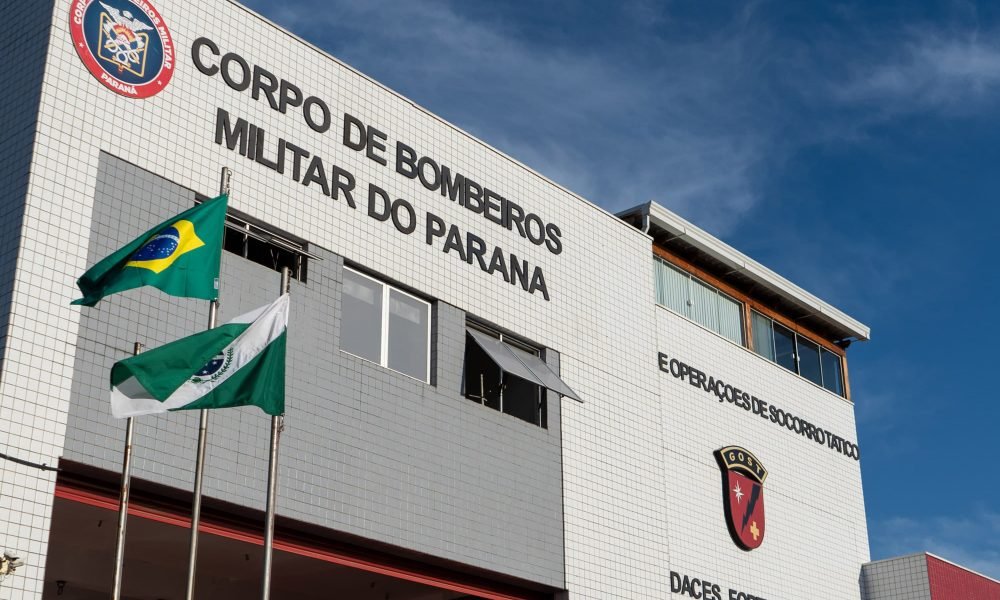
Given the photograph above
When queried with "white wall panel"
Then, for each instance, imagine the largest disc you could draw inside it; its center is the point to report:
(640, 484)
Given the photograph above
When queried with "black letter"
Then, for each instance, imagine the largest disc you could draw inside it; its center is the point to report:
(373, 144)
(316, 173)
(533, 218)
(476, 247)
(406, 156)
(233, 135)
(297, 155)
(429, 184)
(493, 202)
(353, 123)
(452, 188)
(454, 242)
(258, 86)
(675, 582)
(435, 228)
(554, 244)
(196, 56)
(323, 126)
(538, 283)
(408, 228)
(289, 99)
(373, 191)
(342, 182)
(473, 191)
(245, 82)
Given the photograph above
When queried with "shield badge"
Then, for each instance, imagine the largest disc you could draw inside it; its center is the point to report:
(743, 494)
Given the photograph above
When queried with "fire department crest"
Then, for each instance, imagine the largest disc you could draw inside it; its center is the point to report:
(743, 493)
(124, 43)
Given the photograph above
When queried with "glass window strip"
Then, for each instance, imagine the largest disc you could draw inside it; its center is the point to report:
(731, 326)
(696, 300)
(831, 376)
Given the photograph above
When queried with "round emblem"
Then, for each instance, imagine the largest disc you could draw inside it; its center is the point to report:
(161, 246)
(212, 367)
(215, 368)
(124, 43)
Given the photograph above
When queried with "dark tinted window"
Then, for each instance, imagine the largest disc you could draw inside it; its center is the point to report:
(490, 386)
(482, 376)
(809, 361)
(256, 242)
(833, 378)
(784, 348)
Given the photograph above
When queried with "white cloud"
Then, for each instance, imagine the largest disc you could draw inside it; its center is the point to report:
(972, 540)
(620, 124)
(929, 70)
(695, 118)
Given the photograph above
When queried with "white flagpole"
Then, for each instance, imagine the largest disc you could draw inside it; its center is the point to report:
(116, 587)
(199, 469)
(277, 424)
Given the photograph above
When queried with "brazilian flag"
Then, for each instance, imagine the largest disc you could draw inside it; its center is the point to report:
(179, 256)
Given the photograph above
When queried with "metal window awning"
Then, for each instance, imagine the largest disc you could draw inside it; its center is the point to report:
(522, 364)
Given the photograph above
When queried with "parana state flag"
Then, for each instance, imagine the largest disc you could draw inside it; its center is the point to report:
(241, 363)
(179, 256)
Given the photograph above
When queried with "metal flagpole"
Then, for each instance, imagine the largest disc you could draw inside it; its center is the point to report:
(116, 587)
(199, 469)
(277, 424)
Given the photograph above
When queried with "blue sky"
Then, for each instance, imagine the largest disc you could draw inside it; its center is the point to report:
(853, 147)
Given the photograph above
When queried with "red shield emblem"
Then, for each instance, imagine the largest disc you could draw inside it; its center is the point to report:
(743, 493)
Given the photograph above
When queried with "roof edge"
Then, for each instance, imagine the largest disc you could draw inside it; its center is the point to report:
(719, 250)
(964, 568)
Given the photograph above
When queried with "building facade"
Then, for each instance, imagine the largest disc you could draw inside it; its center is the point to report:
(494, 387)
(925, 577)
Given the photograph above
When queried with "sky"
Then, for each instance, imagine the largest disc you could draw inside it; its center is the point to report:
(853, 147)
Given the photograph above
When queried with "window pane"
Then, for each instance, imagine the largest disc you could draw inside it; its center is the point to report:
(520, 398)
(482, 376)
(361, 319)
(784, 348)
(408, 343)
(672, 288)
(704, 305)
(809, 361)
(763, 337)
(730, 319)
(832, 374)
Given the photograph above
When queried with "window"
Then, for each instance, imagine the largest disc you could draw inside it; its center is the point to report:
(385, 325)
(698, 301)
(263, 245)
(799, 355)
(508, 375)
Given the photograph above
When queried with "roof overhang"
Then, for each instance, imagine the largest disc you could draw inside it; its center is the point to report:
(731, 265)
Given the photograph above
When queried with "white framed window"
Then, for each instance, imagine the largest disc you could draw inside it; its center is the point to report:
(385, 325)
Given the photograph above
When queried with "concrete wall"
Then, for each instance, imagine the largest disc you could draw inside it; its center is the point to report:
(596, 317)
(903, 578)
(366, 450)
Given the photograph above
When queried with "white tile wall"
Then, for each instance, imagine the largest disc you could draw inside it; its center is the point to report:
(816, 536)
(641, 486)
